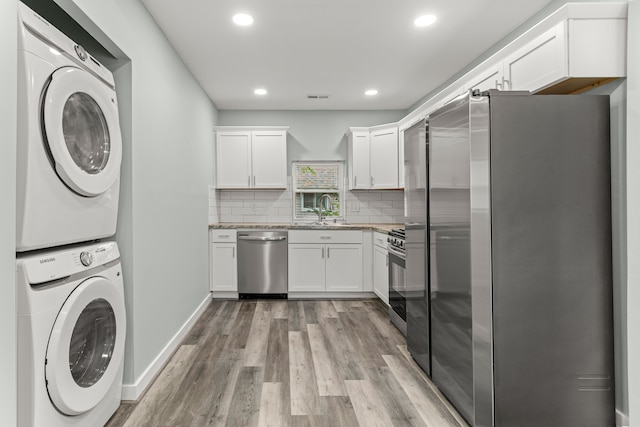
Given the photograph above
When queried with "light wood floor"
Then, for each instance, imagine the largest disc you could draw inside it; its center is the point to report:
(291, 363)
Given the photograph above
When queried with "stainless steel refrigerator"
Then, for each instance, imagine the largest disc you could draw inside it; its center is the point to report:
(519, 248)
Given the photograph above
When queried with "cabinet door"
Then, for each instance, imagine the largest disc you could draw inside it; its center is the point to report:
(597, 47)
(401, 159)
(381, 273)
(233, 157)
(344, 268)
(306, 267)
(540, 63)
(384, 158)
(489, 78)
(224, 273)
(269, 159)
(359, 172)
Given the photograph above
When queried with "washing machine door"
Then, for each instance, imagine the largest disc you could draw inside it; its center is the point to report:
(82, 130)
(86, 346)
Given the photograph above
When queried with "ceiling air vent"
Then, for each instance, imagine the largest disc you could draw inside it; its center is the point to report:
(317, 96)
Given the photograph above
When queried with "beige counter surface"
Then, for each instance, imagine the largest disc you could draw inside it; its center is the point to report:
(381, 228)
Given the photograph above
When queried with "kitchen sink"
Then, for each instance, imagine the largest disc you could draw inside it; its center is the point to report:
(321, 224)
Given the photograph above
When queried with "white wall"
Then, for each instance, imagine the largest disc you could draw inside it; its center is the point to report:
(167, 125)
(8, 33)
(633, 211)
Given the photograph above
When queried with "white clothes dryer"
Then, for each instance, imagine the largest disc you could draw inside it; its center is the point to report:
(71, 335)
(69, 146)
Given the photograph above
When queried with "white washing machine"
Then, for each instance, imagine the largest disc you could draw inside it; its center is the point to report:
(71, 335)
(69, 146)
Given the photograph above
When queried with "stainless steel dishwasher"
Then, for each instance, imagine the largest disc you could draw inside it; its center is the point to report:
(262, 264)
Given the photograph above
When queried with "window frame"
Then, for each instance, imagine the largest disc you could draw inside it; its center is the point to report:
(340, 190)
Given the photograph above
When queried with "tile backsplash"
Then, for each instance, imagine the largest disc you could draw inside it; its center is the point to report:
(275, 206)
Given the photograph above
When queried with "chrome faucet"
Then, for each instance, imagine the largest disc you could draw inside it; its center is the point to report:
(320, 206)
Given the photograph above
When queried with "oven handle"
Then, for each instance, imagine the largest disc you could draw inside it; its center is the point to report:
(395, 252)
(396, 259)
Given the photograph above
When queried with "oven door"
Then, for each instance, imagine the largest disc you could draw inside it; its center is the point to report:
(397, 291)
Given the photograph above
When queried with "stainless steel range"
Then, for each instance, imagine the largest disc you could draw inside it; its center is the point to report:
(397, 289)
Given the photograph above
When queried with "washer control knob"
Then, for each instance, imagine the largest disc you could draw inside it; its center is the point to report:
(82, 54)
(86, 259)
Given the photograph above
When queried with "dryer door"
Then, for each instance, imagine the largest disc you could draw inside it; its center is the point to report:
(86, 346)
(82, 130)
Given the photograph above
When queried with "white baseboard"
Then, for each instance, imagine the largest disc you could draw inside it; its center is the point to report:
(134, 391)
(332, 295)
(224, 295)
(622, 420)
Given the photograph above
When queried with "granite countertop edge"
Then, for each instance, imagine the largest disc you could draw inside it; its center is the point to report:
(381, 228)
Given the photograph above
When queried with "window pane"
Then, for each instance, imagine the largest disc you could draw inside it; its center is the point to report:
(307, 205)
(311, 177)
(312, 180)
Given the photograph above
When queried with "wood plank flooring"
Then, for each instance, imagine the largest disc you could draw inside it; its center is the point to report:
(291, 363)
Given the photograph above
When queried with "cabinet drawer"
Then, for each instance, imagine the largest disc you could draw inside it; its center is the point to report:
(223, 235)
(380, 239)
(325, 236)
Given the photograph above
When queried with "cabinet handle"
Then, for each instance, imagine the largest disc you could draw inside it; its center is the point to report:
(373, 181)
(325, 237)
(328, 249)
(233, 252)
(322, 252)
(249, 182)
(506, 83)
(355, 180)
(387, 260)
(223, 236)
(498, 85)
(254, 180)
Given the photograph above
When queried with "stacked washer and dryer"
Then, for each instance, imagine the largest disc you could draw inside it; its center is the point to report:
(71, 311)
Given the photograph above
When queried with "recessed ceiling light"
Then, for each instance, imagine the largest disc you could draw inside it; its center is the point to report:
(424, 20)
(371, 92)
(243, 19)
(260, 91)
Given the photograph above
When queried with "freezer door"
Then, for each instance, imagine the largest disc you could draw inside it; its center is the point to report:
(449, 265)
(415, 193)
(551, 260)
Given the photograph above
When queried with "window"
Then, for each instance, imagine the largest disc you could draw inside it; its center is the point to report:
(312, 180)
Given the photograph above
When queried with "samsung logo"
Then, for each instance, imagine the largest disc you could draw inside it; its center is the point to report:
(46, 260)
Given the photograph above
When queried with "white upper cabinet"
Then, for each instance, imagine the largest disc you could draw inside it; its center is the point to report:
(250, 157)
(400, 159)
(233, 154)
(359, 148)
(570, 55)
(597, 47)
(373, 157)
(384, 157)
(269, 159)
(539, 63)
(491, 77)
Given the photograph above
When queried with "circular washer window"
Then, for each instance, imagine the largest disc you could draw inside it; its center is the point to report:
(92, 343)
(82, 130)
(86, 133)
(86, 346)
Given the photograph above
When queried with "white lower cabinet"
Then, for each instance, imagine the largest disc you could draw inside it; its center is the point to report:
(380, 267)
(223, 261)
(315, 266)
(344, 268)
(306, 268)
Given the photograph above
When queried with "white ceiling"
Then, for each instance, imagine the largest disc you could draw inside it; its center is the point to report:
(338, 48)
